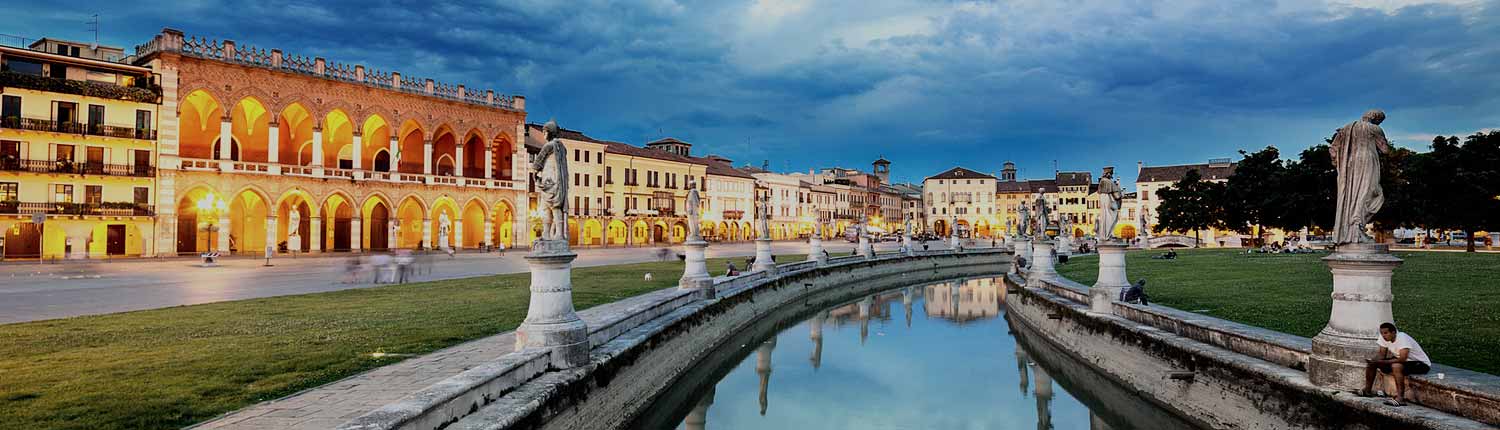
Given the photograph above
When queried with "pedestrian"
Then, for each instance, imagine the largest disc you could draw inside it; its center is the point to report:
(403, 265)
(1399, 356)
(351, 270)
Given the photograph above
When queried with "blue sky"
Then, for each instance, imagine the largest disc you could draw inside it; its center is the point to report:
(928, 84)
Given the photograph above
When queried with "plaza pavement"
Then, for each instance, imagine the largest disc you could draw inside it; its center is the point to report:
(31, 292)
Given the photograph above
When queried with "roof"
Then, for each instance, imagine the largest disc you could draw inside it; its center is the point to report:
(722, 169)
(1209, 172)
(668, 140)
(561, 132)
(960, 173)
(1065, 179)
(752, 169)
(881, 160)
(1031, 186)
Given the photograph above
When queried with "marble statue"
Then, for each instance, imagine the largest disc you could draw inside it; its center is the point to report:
(693, 217)
(1356, 152)
(294, 230)
(1025, 225)
(1110, 196)
(551, 163)
(906, 227)
(444, 226)
(763, 217)
(1043, 214)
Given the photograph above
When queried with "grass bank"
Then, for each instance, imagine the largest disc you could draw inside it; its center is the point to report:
(1448, 301)
(168, 368)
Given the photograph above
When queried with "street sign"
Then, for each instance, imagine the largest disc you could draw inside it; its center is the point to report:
(38, 218)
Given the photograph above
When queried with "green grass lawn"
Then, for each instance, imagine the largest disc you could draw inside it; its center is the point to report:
(168, 368)
(1448, 301)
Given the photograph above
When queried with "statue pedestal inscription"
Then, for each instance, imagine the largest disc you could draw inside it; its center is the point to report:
(695, 275)
(551, 323)
(1041, 263)
(815, 250)
(763, 258)
(1361, 302)
(1111, 278)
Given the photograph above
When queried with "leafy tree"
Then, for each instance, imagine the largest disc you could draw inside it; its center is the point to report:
(1191, 204)
(1307, 191)
(1251, 197)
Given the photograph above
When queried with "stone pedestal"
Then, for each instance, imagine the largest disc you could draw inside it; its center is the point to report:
(955, 243)
(815, 250)
(1023, 249)
(551, 322)
(906, 245)
(1041, 263)
(1065, 245)
(1361, 302)
(695, 275)
(763, 258)
(1112, 278)
(866, 250)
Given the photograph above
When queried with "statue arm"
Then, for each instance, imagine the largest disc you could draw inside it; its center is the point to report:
(541, 157)
(1381, 144)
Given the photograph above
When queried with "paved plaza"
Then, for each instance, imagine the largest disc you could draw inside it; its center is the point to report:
(30, 292)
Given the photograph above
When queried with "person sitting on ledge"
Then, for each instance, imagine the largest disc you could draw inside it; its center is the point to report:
(1399, 356)
(1135, 293)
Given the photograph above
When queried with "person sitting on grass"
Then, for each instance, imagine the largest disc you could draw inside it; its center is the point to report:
(1400, 356)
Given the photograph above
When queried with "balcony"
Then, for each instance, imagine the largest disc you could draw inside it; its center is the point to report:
(734, 214)
(69, 167)
(50, 208)
(145, 92)
(67, 127)
(199, 164)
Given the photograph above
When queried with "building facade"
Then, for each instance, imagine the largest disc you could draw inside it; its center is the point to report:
(961, 202)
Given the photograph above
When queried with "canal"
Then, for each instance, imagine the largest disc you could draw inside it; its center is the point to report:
(937, 356)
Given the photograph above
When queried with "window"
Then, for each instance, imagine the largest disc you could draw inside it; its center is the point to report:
(65, 112)
(585, 156)
(142, 196)
(62, 193)
(600, 157)
(575, 179)
(599, 179)
(10, 111)
(23, 66)
(142, 122)
(96, 117)
(93, 194)
(10, 191)
(609, 175)
(575, 155)
(64, 153)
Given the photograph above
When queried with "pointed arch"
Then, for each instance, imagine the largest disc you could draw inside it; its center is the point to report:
(196, 227)
(338, 139)
(199, 122)
(409, 157)
(472, 218)
(377, 213)
(375, 139)
(250, 124)
(503, 147)
(338, 210)
(505, 215)
(410, 214)
(295, 135)
(444, 150)
(474, 146)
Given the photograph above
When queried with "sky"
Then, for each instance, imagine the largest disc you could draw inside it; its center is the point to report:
(1079, 84)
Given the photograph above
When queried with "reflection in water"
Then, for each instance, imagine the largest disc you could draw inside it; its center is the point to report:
(942, 368)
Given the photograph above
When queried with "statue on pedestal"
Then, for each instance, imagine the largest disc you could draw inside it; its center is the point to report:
(444, 225)
(1025, 224)
(1043, 214)
(551, 163)
(693, 201)
(1110, 196)
(294, 230)
(763, 217)
(1356, 152)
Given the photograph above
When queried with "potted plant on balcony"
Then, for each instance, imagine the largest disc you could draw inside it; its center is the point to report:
(10, 206)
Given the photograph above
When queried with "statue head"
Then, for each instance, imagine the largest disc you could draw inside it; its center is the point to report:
(550, 129)
(1374, 116)
(1109, 171)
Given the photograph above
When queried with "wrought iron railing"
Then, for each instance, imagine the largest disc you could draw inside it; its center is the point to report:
(66, 166)
(61, 208)
(37, 124)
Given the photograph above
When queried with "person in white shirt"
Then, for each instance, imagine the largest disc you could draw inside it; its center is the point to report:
(1399, 356)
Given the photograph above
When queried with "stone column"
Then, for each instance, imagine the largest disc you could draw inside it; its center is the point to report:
(226, 139)
(1361, 302)
(489, 233)
(223, 226)
(427, 157)
(1023, 249)
(358, 151)
(315, 234)
(551, 323)
(695, 275)
(1041, 263)
(816, 334)
(815, 250)
(697, 419)
(458, 235)
(1021, 361)
(1112, 278)
(489, 163)
(865, 249)
(764, 260)
(356, 231)
(426, 234)
(392, 150)
(271, 239)
(317, 149)
(458, 162)
(273, 147)
(763, 368)
(906, 244)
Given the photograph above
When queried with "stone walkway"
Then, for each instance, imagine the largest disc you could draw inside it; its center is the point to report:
(328, 406)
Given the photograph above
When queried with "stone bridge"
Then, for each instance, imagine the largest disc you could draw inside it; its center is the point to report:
(1172, 241)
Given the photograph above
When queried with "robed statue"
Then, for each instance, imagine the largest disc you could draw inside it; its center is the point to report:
(763, 217)
(1043, 214)
(294, 230)
(551, 165)
(1110, 196)
(1025, 225)
(693, 200)
(1356, 152)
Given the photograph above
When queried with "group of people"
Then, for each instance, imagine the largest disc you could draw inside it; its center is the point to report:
(1276, 247)
(394, 268)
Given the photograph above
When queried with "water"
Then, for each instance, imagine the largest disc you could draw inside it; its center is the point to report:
(938, 356)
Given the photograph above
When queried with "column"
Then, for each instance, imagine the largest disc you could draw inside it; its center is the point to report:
(551, 322)
(1112, 278)
(226, 139)
(426, 234)
(458, 235)
(489, 162)
(489, 233)
(764, 260)
(394, 149)
(317, 149)
(1041, 263)
(458, 161)
(315, 234)
(763, 368)
(223, 226)
(271, 239)
(359, 150)
(1361, 302)
(355, 234)
(273, 147)
(427, 157)
(815, 248)
(695, 275)
(1021, 361)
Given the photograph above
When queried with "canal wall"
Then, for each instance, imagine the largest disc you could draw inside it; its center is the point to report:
(1229, 375)
(641, 351)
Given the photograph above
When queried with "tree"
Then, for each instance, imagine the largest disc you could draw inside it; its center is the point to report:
(1307, 191)
(1251, 196)
(1191, 204)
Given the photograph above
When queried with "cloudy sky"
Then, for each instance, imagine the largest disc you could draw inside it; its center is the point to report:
(928, 84)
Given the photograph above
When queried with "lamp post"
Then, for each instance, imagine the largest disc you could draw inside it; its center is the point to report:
(210, 207)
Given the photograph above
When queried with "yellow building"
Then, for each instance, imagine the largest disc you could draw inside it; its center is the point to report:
(77, 152)
(961, 201)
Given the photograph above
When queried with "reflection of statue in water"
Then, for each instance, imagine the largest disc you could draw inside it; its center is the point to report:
(693, 200)
(1356, 151)
(1110, 196)
(551, 163)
